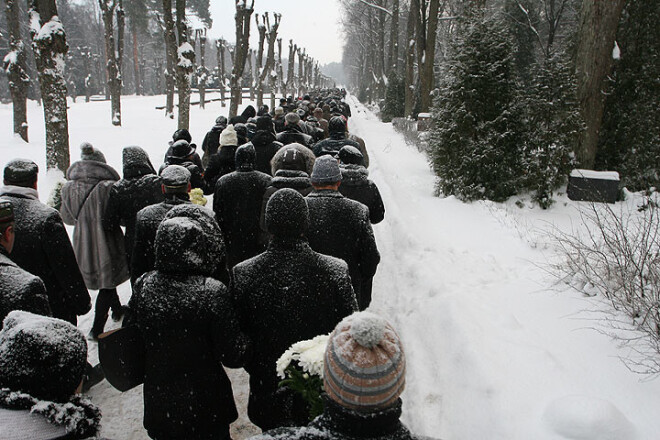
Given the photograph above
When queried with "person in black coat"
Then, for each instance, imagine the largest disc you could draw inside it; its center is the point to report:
(42, 245)
(224, 161)
(293, 133)
(190, 330)
(237, 206)
(211, 141)
(184, 134)
(340, 227)
(287, 294)
(248, 113)
(265, 144)
(181, 153)
(356, 185)
(19, 289)
(140, 187)
(336, 139)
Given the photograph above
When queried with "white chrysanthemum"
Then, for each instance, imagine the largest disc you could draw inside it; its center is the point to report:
(309, 354)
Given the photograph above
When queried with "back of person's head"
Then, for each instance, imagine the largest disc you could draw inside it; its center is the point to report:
(263, 110)
(364, 364)
(88, 152)
(279, 111)
(228, 137)
(241, 133)
(291, 119)
(181, 149)
(265, 123)
(287, 215)
(349, 155)
(41, 356)
(326, 171)
(6, 225)
(293, 159)
(303, 160)
(21, 172)
(175, 179)
(221, 120)
(182, 133)
(136, 162)
(245, 157)
(337, 124)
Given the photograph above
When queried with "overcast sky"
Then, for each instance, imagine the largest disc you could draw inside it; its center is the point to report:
(312, 24)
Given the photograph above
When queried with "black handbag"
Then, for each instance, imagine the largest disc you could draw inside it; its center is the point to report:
(121, 354)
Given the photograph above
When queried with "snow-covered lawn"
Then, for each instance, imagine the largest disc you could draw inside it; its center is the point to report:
(495, 349)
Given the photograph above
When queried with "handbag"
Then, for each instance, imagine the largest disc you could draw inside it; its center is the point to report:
(121, 354)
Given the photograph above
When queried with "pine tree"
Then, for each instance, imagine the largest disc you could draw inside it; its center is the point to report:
(475, 145)
(395, 96)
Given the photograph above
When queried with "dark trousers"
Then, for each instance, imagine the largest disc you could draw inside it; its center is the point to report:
(107, 299)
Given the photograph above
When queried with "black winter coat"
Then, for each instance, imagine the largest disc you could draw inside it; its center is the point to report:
(42, 247)
(266, 146)
(292, 134)
(221, 163)
(279, 125)
(333, 144)
(340, 227)
(237, 206)
(287, 294)
(190, 330)
(298, 180)
(211, 143)
(338, 423)
(128, 196)
(355, 185)
(20, 290)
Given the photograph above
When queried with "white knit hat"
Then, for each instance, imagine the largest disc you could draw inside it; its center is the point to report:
(228, 136)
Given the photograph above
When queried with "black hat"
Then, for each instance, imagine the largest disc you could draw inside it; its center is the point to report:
(337, 124)
(181, 149)
(351, 155)
(265, 123)
(287, 214)
(221, 120)
(20, 172)
(182, 133)
(245, 157)
(293, 160)
(6, 211)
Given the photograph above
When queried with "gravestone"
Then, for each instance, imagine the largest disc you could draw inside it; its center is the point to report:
(593, 186)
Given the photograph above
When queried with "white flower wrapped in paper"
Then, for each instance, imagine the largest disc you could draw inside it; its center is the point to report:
(308, 353)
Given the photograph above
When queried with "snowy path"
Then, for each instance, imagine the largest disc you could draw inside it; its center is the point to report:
(492, 351)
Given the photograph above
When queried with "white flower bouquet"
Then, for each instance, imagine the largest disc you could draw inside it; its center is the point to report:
(301, 368)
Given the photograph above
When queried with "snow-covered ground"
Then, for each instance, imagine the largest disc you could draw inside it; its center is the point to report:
(495, 349)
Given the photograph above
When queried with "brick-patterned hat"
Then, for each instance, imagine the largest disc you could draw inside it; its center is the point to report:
(364, 364)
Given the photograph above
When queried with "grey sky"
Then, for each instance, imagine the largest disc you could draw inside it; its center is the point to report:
(312, 24)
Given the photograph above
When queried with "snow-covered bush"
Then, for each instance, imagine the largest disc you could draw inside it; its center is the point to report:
(618, 256)
(395, 96)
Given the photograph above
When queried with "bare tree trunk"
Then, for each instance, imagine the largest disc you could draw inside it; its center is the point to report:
(202, 72)
(136, 60)
(87, 56)
(426, 36)
(121, 26)
(16, 67)
(280, 73)
(220, 45)
(290, 80)
(271, 32)
(49, 54)
(393, 55)
(170, 54)
(599, 21)
(253, 77)
(184, 66)
(112, 63)
(413, 17)
(301, 64)
(261, 27)
(243, 14)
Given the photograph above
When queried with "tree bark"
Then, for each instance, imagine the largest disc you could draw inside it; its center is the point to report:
(184, 66)
(202, 72)
(599, 21)
(290, 80)
(50, 47)
(16, 67)
(170, 54)
(393, 55)
(113, 74)
(271, 34)
(301, 66)
(220, 45)
(426, 36)
(136, 59)
(242, 18)
(410, 56)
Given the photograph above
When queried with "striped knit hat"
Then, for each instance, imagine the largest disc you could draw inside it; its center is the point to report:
(364, 364)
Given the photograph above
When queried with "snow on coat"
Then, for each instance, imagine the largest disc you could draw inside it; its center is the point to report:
(333, 144)
(100, 253)
(294, 134)
(20, 290)
(298, 180)
(356, 185)
(221, 163)
(307, 155)
(266, 146)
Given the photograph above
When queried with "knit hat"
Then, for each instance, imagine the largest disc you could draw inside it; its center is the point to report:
(181, 149)
(287, 214)
(265, 123)
(245, 157)
(291, 118)
(88, 152)
(279, 110)
(228, 136)
(175, 176)
(20, 172)
(6, 211)
(41, 356)
(293, 160)
(337, 124)
(348, 154)
(364, 364)
(326, 170)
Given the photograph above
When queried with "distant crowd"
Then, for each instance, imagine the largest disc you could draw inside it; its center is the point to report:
(285, 252)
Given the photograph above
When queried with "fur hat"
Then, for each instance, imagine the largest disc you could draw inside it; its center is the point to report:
(291, 119)
(41, 356)
(277, 163)
(228, 137)
(245, 157)
(279, 110)
(326, 171)
(293, 160)
(88, 152)
(265, 123)
(287, 214)
(364, 364)
(337, 124)
(175, 176)
(20, 172)
(348, 154)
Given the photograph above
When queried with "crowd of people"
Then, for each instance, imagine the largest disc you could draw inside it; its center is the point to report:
(286, 253)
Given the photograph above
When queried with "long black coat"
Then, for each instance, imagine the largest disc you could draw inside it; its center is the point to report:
(42, 247)
(266, 146)
(190, 330)
(211, 143)
(20, 290)
(356, 185)
(287, 294)
(221, 163)
(293, 134)
(340, 227)
(237, 206)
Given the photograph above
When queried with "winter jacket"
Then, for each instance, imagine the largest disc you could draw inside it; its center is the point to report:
(340, 227)
(333, 144)
(279, 124)
(221, 163)
(237, 206)
(42, 247)
(195, 157)
(292, 134)
(287, 294)
(196, 178)
(100, 253)
(362, 147)
(140, 187)
(355, 185)
(266, 146)
(298, 180)
(190, 330)
(211, 143)
(248, 112)
(339, 423)
(20, 290)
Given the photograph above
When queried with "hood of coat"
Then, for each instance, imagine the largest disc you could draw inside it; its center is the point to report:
(245, 157)
(277, 161)
(291, 179)
(353, 173)
(136, 162)
(189, 241)
(92, 170)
